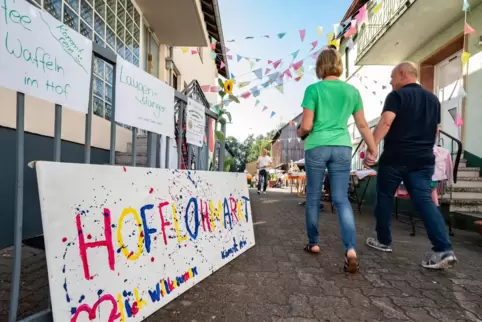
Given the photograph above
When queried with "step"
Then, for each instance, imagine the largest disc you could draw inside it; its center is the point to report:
(462, 163)
(468, 172)
(466, 195)
(475, 215)
(466, 205)
(468, 188)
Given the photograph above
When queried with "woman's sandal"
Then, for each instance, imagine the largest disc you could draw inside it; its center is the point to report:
(351, 264)
(309, 248)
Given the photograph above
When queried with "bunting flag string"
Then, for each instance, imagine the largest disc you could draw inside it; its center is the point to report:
(280, 35)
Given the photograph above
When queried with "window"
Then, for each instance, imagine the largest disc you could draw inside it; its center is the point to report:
(102, 88)
(174, 80)
(347, 62)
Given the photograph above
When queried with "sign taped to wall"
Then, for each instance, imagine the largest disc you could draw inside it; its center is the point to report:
(121, 242)
(142, 100)
(42, 57)
(195, 123)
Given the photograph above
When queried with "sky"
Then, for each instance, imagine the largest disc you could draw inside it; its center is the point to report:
(243, 18)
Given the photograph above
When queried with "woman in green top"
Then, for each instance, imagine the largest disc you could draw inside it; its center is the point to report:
(327, 106)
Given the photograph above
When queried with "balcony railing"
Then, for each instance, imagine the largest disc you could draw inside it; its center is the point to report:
(378, 23)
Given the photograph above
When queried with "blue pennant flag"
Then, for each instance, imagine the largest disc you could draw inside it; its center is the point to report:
(239, 58)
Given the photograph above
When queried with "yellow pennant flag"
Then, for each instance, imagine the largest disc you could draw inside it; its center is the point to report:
(184, 50)
(242, 84)
(330, 36)
(251, 64)
(377, 8)
(299, 72)
(319, 31)
(335, 42)
(465, 58)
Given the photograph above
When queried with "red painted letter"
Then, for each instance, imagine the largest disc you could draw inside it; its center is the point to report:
(164, 223)
(83, 245)
(233, 206)
(205, 215)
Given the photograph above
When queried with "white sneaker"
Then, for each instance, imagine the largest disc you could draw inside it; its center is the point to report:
(259, 192)
(264, 192)
(441, 260)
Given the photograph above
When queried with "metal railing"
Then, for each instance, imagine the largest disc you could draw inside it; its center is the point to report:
(153, 153)
(378, 23)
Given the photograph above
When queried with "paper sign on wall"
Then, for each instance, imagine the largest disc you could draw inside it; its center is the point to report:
(142, 100)
(123, 242)
(42, 57)
(195, 123)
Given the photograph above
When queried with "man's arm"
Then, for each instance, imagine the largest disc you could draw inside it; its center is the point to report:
(390, 110)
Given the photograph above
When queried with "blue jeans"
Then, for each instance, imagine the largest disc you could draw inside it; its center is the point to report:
(338, 161)
(417, 181)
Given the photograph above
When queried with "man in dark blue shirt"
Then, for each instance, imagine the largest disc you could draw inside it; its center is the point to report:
(409, 123)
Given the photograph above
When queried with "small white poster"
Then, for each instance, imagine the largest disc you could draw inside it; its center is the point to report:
(195, 123)
(122, 242)
(42, 57)
(142, 100)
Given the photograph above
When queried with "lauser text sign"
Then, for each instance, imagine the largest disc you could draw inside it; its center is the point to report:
(122, 242)
(42, 57)
(142, 100)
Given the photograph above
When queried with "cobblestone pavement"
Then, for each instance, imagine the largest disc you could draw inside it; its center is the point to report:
(277, 281)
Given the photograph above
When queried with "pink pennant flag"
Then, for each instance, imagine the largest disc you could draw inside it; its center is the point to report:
(213, 46)
(302, 34)
(297, 65)
(314, 44)
(288, 73)
(222, 65)
(362, 15)
(276, 64)
(468, 29)
(215, 89)
(267, 71)
(193, 52)
(314, 56)
(270, 61)
(246, 95)
(205, 88)
(226, 49)
(230, 57)
(352, 30)
(458, 121)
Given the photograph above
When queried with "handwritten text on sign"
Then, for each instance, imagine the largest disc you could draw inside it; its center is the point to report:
(42, 57)
(196, 123)
(123, 242)
(142, 100)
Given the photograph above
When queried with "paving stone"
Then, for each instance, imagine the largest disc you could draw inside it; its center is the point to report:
(278, 281)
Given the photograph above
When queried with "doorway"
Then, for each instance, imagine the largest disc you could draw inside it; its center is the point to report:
(448, 82)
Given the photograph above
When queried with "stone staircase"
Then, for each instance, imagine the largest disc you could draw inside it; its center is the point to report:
(125, 158)
(467, 192)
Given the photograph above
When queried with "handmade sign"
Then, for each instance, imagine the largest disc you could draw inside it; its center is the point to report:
(195, 123)
(42, 57)
(122, 242)
(142, 100)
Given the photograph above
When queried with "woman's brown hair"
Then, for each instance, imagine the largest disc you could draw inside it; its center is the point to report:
(329, 64)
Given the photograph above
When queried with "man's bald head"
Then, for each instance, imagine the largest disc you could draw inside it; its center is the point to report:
(403, 74)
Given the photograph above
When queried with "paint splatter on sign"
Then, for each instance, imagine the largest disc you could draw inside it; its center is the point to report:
(121, 254)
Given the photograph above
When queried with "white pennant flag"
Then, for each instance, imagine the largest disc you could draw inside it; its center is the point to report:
(299, 140)
(462, 92)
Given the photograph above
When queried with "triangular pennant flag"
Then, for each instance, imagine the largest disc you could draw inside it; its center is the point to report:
(465, 6)
(468, 29)
(246, 95)
(226, 49)
(465, 58)
(297, 65)
(314, 56)
(249, 37)
(251, 64)
(242, 84)
(213, 55)
(213, 46)
(255, 91)
(335, 42)
(215, 89)
(302, 34)
(258, 72)
(294, 54)
(230, 57)
(462, 92)
(319, 31)
(350, 44)
(287, 72)
(193, 52)
(272, 114)
(362, 15)
(453, 113)
(267, 71)
(264, 108)
(276, 64)
(310, 68)
(300, 71)
(213, 40)
(232, 76)
(330, 36)
(257, 103)
(352, 30)
(458, 121)
(222, 65)
(298, 139)
(273, 77)
(270, 61)
(298, 78)
(238, 58)
(258, 60)
(184, 50)
(377, 8)
(338, 29)
(280, 88)
(314, 44)
(205, 88)
(266, 36)
(281, 35)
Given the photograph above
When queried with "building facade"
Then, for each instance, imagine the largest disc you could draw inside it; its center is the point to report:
(142, 32)
(286, 146)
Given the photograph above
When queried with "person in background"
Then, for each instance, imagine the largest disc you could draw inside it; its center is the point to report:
(264, 161)
(327, 106)
(409, 123)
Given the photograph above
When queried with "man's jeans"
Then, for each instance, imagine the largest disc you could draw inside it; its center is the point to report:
(417, 181)
(263, 173)
(338, 161)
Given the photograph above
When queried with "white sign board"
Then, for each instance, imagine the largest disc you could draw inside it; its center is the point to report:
(121, 242)
(195, 123)
(142, 100)
(42, 57)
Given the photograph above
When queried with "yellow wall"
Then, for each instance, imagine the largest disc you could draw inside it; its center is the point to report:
(473, 109)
